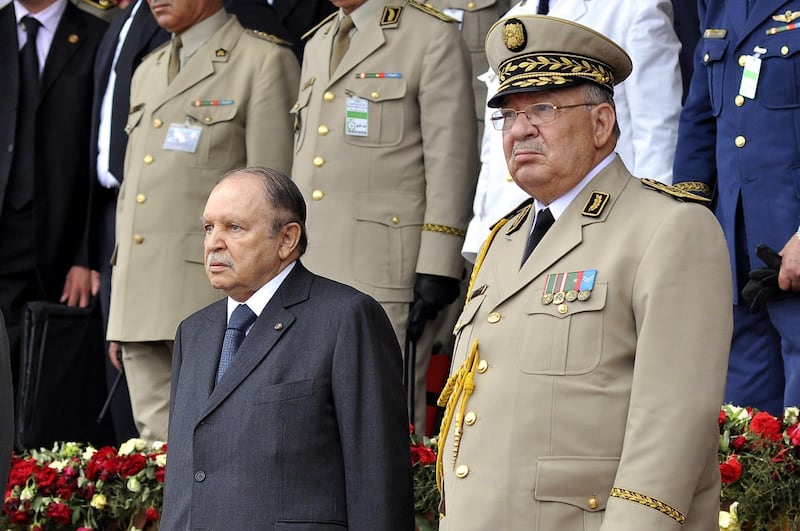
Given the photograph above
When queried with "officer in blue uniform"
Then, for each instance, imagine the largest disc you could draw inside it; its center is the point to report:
(739, 141)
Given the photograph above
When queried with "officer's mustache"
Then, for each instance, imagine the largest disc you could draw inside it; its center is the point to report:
(219, 258)
(528, 146)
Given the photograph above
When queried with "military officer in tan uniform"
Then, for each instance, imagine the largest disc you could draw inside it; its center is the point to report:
(385, 157)
(227, 106)
(587, 376)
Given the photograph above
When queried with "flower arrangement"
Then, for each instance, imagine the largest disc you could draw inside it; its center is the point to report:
(759, 457)
(75, 486)
(426, 495)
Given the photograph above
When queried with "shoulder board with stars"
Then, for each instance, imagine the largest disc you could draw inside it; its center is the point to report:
(517, 216)
(675, 192)
(263, 35)
(321, 23)
(431, 11)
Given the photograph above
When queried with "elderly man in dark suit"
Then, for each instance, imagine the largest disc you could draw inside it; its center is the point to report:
(47, 49)
(304, 425)
(6, 409)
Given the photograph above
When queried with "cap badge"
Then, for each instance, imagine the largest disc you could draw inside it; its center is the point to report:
(514, 35)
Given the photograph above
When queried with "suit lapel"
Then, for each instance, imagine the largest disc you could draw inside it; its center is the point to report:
(365, 43)
(273, 323)
(207, 343)
(200, 66)
(68, 39)
(9, 88)
(563, 236)
(760, 13)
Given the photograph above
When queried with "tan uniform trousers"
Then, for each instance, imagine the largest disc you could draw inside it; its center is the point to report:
(148, 369)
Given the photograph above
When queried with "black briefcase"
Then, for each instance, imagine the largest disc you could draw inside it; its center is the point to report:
(62, 384)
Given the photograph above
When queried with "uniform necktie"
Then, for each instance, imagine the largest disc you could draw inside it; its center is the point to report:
(544, 220)
(241, 319)
(341, 42)
(174, 58)
(20, 190)
(543, 8)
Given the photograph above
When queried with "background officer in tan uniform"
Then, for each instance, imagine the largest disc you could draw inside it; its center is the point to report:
(226, 107)
(385, 157)
(587, 377)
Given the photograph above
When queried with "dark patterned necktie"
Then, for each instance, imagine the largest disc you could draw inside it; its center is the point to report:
(544, 220)
(241, 319)
(20, 189)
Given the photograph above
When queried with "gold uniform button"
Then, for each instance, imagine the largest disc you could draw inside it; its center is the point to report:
(375, 95)
(323, 130)
(592, 504)
(509, 178)
(141, 198)
(494, 317)
(148, 159)
(742, 60)
(296, 106)
(157, 123)
(470, 5)
(317, 195)
(462, 471)
(138, 239)
(740, 141)
(784, 50)
(706, 57)
(562, 308)
(329, 96)
(395, 220)
(483, 366)
(207, 119)
(318, 162)
(470, 418)
(738, 100)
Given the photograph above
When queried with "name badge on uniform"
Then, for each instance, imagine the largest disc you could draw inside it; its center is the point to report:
(752, 69)
(356, 121)
(183, 137)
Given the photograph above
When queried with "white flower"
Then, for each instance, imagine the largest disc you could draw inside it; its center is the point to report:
(161, 459)
(133, 484)
(157, 445)
(88, 453)
(28, 493)
(728, 521)
(99, 501)
(58, 465)
(132, 445)
(791, 415)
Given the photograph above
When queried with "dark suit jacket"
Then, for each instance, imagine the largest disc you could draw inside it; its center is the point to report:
(299, 16)
(6, 408)
(687, 26)
(306, 431)
(63, 122)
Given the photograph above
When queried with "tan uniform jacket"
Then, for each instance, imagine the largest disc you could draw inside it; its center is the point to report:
(621, 390)
(158, 277)
(477, 16)
(396, 201)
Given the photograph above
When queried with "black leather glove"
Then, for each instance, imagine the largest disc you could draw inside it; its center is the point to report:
(431, 294)
(763, 284)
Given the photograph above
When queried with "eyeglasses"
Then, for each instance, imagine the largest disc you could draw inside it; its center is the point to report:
(537, 114)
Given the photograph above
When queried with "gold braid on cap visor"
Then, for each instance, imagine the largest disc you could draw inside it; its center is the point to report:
(546, 69)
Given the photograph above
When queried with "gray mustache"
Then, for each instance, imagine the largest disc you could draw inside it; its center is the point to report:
(219, 257)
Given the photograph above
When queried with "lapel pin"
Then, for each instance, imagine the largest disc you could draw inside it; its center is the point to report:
(278, 326)
(73, 39)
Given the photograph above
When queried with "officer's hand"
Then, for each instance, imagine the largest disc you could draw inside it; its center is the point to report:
(431, 294)
(77, 287)
(763, 284)
(789, 275)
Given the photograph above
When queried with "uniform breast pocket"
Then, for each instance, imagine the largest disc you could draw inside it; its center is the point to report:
(563, 339)
(780, 72)
(299, 113)
(285, 391)
(714, 51)
(384, 118)
(221, 139)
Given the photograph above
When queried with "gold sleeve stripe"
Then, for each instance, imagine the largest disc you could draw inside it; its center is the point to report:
(431, 227)
(648, 501)
(694, 186)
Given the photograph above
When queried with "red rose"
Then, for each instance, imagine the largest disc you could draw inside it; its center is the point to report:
(19, 517)
(151, 514)
(766, 426)
(59, 512)
(722, 418)
(794, 434)
(131, 464)
(731, 470)
(160, 475)
(738, 442)
(103, 464)
(21, 470)
(45, 478)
